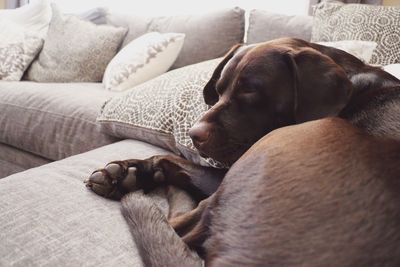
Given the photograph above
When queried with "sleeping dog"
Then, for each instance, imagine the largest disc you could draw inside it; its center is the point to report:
(322, 185)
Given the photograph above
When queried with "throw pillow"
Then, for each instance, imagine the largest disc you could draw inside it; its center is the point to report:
(34, 17)
(142, 59)
(363, 50)
(380, 24)
(16, 53)
(162, 110)
(75, 50)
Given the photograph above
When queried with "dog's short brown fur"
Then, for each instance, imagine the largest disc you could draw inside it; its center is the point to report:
(253, 91)
(322, 193)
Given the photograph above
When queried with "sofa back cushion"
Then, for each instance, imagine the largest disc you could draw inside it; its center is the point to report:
(208, 35)
(265, 26)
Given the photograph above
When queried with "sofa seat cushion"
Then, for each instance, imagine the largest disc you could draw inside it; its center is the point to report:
(13, 160)
(52, 120)
(49, 217)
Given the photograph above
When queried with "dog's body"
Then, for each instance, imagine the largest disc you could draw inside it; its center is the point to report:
(277, 205)
(322, 193)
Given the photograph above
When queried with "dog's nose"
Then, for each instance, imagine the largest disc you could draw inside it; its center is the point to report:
(200, 132)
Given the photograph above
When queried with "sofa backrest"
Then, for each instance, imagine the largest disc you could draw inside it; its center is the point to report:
(265, 26)
(208, 35)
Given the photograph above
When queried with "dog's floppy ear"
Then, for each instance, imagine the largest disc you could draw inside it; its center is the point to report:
(209, 92)
(322, 88)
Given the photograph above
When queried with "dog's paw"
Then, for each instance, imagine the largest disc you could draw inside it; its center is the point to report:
(114, 181)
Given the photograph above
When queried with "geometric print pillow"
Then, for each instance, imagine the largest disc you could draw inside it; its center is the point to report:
(380, 24)
(161, 111)
(17, 56)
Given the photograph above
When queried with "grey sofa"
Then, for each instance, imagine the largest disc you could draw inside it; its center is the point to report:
(50, 142)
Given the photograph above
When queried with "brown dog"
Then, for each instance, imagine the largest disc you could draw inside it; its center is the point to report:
(255, 90)
(322, 193)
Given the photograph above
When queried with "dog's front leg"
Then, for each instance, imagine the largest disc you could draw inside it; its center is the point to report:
(121, 177)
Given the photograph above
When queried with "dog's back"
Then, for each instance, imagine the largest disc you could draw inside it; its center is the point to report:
(318, 194)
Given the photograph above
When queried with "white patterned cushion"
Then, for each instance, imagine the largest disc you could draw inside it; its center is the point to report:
(162, 110)
(142, 59)
(380, 24)
(17, 50)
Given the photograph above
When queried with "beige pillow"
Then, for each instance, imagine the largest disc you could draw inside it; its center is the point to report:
(142, 59)
(75, 50)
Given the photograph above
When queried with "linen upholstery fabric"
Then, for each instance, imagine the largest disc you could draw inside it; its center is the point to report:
(162, 110)
(265, 26)
(15, 160)
(52, 120)
(208, 35)
(75, 50)
(49, 218)
(380, 24)
(144, 58)
(8, 168)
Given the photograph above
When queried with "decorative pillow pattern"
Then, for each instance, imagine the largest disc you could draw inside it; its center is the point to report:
(75, 50)
(380, 24)
(16, 57)
(162, 110)
(142, 59)
(363, 50)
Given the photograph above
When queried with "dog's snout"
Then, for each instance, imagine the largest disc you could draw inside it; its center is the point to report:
(200, 132)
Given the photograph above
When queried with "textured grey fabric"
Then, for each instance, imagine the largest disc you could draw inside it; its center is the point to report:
(17, 159)
(265, 26)
(380, 24)
(52, 120)
(75, 50)
(208, 36)
(49, 218)
(8, 168)
(161, 111)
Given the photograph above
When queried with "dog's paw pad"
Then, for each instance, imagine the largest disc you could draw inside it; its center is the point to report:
(129, 183)
(115, 171)
(113, 181)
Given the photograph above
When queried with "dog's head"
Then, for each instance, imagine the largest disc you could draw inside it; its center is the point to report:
(258, 88)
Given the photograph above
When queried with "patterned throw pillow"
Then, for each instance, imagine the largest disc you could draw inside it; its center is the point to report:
(75, 50)
(16, 57)
(17, 50)
(162, 110)
(144, 58)
(380, 24)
